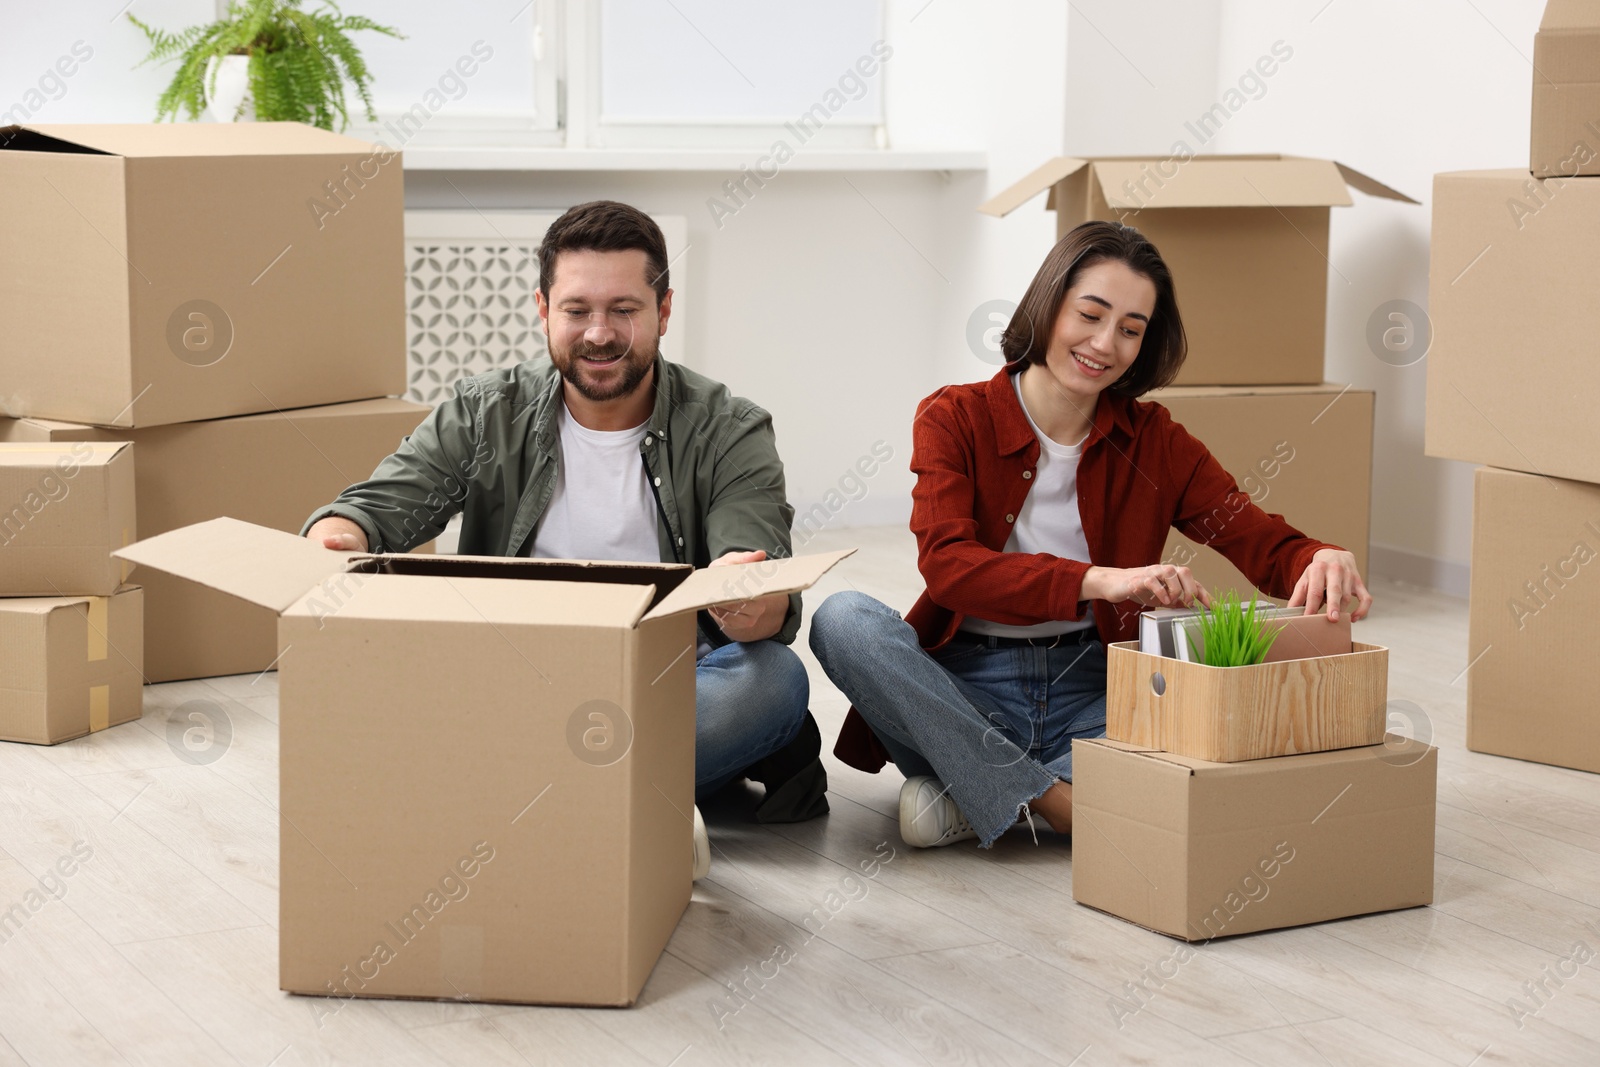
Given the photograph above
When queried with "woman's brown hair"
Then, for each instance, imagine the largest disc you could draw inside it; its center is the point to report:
(1164, 346)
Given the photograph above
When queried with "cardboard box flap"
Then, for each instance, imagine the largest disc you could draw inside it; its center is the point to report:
(1568, 15)
(32, 455)
(266, 567)
(1223, 182)
(1371, 186)
(166, 139)
(1030, 186)
(711, 586)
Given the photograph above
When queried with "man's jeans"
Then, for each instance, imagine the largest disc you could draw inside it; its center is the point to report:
(995, 725)
(750, 700)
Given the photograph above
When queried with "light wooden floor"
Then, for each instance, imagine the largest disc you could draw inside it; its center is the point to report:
(162, 949)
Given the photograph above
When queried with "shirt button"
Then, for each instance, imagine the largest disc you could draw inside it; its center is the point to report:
(1025, 474)
(680, 542)
(1011, 518)
(658, 481)
(648, 440)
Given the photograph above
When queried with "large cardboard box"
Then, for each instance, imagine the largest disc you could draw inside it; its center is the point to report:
(162, 273)
(1566, 90)
(66, 506)
(1502, 239)
(487, 763)
(272, 470)
(70, 665)
(1246, 238)
(1534, 619)
(1201, 850)
(1303, 452)
(1230, 714)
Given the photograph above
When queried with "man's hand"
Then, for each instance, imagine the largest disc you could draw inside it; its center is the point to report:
(750, 620)
(1328, 582)
(1158, 585)
(337, 533)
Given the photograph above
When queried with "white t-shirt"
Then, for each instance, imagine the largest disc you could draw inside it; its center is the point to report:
(1048, 522)
(602, 507)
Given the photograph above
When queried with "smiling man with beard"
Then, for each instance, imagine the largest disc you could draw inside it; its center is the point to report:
(607, 451)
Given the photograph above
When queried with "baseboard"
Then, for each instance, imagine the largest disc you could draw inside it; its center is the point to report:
(1405, 565)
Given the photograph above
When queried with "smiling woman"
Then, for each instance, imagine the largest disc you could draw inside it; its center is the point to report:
(1042, 497)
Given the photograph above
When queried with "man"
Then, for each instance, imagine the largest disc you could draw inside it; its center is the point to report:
(608, 451)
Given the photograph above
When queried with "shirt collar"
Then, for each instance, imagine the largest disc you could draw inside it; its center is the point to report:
(1011, 428)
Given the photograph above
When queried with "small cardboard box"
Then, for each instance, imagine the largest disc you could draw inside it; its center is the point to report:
(1534, 619)
(162, 273)
(66, 506)
(1232, 714)
(70, 665)
(1565, 131)
(1300, 451)
(1502, 238)
(1246, 238)
(487, 764)
(1200, 850)
(272, 470)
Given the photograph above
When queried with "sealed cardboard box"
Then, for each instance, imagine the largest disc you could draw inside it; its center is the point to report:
(1303, 452)
(1230, 714)
(1200, 850)
(272, 470)
(66, 506)
(1535, 619)
(1566, 90)
(487, 763)
(170, 272)
(1246, 238)
(71, 665)
(1501, 239)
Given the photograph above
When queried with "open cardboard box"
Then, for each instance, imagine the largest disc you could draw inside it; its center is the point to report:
(1201, 850)
(1229, 714)
(1247, 240)
(487, 763)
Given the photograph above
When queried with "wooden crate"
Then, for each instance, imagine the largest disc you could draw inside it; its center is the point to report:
(1228, 714)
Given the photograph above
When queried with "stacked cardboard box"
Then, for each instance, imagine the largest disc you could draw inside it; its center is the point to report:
(71, 628)
(228, 297)
(1247, 240)
(1513, 248)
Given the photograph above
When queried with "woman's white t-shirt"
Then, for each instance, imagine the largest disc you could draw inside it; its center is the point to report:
(1049, 522)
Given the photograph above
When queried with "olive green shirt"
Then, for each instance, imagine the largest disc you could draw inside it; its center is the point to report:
(492, 453)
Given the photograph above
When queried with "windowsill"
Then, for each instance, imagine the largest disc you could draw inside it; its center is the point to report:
(688, 159)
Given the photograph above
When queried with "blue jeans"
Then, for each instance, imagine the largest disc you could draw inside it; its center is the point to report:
(994, 725)
(750, 700)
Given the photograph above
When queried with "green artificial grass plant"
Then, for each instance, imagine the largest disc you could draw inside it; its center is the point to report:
(299, 61)
(1233, 636)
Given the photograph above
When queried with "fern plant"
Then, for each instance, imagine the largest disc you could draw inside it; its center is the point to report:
(1232, 635)
(299, 61)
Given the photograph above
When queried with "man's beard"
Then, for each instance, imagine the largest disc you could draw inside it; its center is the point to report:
(633, 370)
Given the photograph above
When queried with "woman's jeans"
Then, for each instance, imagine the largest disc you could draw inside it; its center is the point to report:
(995, 725)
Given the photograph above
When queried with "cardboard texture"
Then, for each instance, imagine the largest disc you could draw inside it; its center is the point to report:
(66, 506)
(1303, 452)
(146, 271)
(1534, 619)
(1500, 236)
(487, 764)
(1200, 850)
(1565, 132)
(1231, 714)
(70, 665)
(1246, 238)
(272, 470)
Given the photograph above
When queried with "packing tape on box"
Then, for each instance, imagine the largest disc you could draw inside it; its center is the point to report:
(99, 626)
(99, 707)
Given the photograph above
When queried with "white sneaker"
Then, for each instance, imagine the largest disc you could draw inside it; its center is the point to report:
(929, 818)
(702, 847)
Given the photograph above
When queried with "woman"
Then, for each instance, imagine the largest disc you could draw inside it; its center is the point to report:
(1042, 498)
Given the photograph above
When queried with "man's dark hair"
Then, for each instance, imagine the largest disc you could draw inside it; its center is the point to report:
(1162, 351)
(605, 226)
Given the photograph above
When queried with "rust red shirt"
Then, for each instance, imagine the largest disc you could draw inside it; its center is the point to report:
(974, 455)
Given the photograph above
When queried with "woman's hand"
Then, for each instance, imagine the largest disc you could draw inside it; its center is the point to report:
(1159, 585)
(1328, 582)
